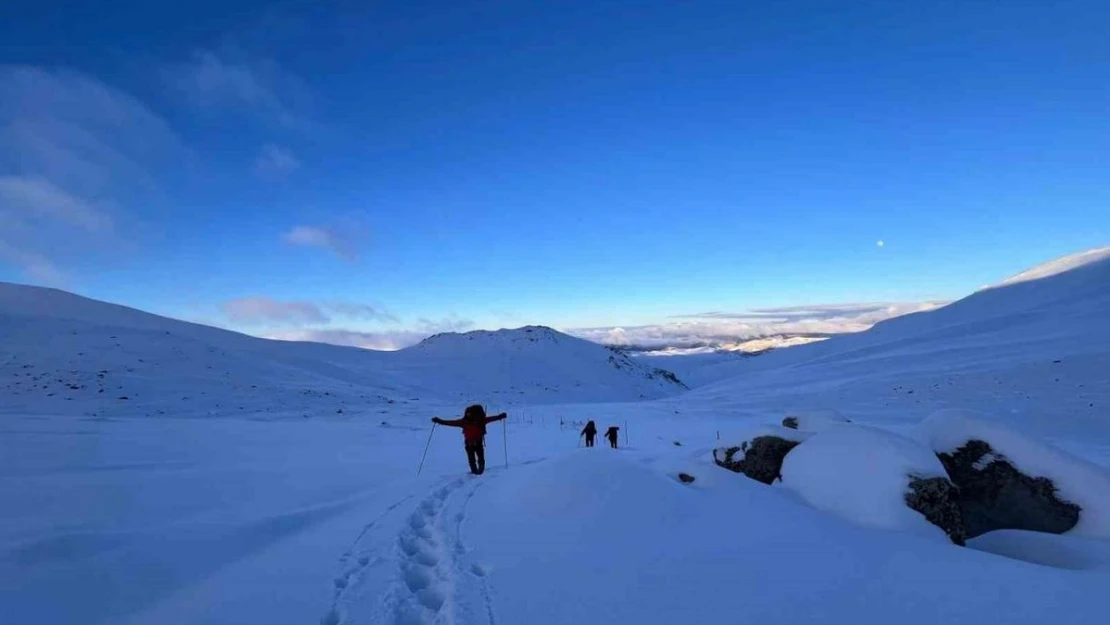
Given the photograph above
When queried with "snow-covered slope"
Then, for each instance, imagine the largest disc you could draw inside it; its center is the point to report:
(1034, 349)
(65, 354)
(122, 520)
(231, 521)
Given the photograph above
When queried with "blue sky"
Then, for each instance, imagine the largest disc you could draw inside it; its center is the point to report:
(397, 168)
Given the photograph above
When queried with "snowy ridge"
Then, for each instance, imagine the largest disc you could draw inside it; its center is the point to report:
(1060, 265)
(66, 354)
(1034, 350)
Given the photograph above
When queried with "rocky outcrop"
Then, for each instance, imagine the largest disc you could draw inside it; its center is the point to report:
(759, 458)
(813, 420)
(994, 494)
(937, 499)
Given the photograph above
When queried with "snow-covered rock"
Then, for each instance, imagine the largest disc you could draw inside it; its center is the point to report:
(871, 477)
(759, 454)
(813, 420)
(1010, 481)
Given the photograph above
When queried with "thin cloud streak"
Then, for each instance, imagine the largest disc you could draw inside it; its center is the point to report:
(264, 310)
(257, 87)
(275, 159)
(76, 154)
(324, 238)
(387, 340)
(267, 311)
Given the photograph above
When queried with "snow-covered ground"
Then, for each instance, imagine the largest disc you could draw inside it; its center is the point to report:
(114, 512)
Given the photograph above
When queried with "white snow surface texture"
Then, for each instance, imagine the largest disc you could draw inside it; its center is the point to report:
(154, 471)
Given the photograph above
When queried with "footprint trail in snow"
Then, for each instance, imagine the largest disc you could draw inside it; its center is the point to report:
(425, 569)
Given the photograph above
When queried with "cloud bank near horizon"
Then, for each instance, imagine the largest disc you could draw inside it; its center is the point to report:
(718, 328)
(746, 330)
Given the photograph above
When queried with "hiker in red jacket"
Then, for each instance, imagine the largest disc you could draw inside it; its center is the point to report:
(473, 425)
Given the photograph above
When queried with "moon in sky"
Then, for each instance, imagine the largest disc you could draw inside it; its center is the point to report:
(880, 243)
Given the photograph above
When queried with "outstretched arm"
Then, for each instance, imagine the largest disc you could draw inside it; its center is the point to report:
(497, 417)
(455, 423)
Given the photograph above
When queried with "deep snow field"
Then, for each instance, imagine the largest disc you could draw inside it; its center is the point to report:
(253, 512)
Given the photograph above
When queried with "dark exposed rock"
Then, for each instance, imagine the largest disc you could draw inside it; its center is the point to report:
(760, 459)
(937, 499)
(685, 478)
(994, 495)
(813, 420)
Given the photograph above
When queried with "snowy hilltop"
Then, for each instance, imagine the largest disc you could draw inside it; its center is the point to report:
(947, 466)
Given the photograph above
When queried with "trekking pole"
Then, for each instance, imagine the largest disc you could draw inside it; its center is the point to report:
(426, 446)
(505, 439)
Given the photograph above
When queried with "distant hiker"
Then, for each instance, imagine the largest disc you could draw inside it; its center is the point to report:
(611, 434)
(590, 431)
(473, 424)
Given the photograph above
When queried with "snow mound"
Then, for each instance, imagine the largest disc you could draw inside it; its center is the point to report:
(862, 474)
(1076, 480)
(813, 420)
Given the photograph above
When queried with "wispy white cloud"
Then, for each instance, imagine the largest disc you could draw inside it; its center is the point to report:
(730, 328)
(340, 244)
(37, 199)
(451, 323)
(228, 80)
(392, 339)
(275, 159)
(361, 312)
(267, 311)
(75, 154)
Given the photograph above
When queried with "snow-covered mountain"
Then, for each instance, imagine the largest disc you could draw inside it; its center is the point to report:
(1033, 347)
(66, 354)
(530, 363)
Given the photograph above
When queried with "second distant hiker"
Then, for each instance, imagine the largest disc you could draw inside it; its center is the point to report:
(611, 434)
(590, 431)
(473, 424)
